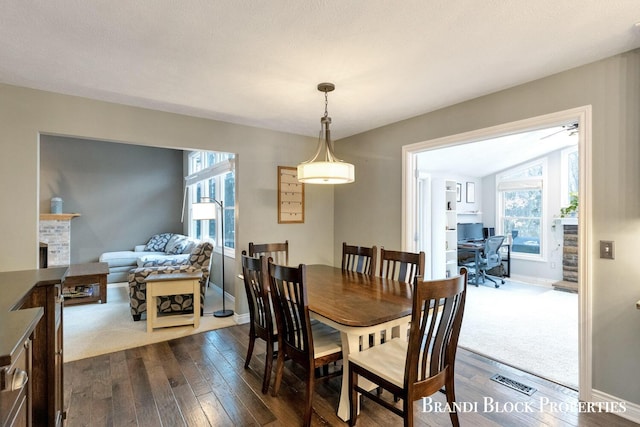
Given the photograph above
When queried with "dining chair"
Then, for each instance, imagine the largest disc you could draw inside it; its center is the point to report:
(310, 346)
(425, 363)
(402, 266)
(359, 259)
(255, 273)
(279, 252)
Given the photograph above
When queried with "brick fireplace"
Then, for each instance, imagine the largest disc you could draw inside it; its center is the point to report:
(55, 232)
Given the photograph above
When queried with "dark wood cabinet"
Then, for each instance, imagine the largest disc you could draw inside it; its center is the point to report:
(31, 343)
(15, 388)
(47, 404)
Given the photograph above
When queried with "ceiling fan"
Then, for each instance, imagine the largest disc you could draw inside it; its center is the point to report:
(571, 128)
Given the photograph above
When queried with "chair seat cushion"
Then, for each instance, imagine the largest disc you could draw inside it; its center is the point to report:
(386, 360)
(326, 340)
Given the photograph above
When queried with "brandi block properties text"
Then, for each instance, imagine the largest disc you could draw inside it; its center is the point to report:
(543, 404)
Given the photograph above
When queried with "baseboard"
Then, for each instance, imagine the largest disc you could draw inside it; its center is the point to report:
(627, 410)
(530, 280)
(241, 318)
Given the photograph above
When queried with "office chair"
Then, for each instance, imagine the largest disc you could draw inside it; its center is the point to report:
(489, 259)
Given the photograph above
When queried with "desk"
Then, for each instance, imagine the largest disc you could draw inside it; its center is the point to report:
(359, 306)
(476, 249)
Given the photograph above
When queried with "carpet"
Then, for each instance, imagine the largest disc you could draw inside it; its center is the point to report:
(94, 329)
(533, 328)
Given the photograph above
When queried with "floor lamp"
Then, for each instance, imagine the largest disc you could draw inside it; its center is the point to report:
(206, 210)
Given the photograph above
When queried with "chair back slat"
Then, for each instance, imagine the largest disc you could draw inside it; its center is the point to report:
(438, 306)
(359, 259)
(278, 252)
(256, 284)
(402, 266)
(292, 311)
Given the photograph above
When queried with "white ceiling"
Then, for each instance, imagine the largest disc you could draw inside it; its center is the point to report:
(258, 62)
(486, 157)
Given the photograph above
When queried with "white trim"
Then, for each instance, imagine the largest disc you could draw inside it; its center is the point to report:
(582, 115)
(632, 410)
(241, 319)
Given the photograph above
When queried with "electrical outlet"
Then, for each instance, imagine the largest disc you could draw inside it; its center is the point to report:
(607, 249)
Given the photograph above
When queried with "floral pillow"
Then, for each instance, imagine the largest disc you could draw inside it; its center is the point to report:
(177, 244)
(158, 243)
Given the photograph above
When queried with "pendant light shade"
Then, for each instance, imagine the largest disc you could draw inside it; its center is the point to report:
(324, 167)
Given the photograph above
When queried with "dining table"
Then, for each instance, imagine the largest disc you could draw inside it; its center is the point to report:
(365, 309)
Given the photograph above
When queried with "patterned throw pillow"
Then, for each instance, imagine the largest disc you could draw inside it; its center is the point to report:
(158, 242)
(176, 244)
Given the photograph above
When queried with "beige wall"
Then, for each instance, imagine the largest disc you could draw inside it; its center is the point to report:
(24, 113)
(369, 212)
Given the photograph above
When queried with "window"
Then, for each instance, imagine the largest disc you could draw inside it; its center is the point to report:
(521, 199)
(212, 174)
(569, 180)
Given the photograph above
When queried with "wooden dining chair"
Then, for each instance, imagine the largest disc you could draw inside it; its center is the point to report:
(310, 346)
(359, 259)
(261, 321)
(423, 365)
(279, 252)
(401, 266)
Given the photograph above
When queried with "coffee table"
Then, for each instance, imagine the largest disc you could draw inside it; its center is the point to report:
(86, 276)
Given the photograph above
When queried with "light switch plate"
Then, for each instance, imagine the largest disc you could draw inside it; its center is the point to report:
(607, 249)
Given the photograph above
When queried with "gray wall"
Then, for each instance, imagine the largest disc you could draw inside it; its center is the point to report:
(125, 193)
(26, 114)
(369, 212)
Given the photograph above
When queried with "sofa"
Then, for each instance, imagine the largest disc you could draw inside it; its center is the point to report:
(197, 261)
(171, 248)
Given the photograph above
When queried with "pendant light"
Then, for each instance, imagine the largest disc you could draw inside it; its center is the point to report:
(324, 167)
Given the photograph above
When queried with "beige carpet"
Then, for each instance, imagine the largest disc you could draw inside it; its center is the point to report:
(94, 329)
(533, 328)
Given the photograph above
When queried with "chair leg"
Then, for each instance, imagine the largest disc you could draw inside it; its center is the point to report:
(279, 370)
(268, 366)
(252, 341)
(353, 398)
(311, 376)
(451, 398)
(407, 407)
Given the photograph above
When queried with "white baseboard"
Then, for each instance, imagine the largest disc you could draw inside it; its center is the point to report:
(631, 410)
(241, 318)
(548, 283)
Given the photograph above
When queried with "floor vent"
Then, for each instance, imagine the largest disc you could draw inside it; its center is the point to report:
(518, 386)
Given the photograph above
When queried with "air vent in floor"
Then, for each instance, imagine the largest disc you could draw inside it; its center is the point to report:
(518, 386)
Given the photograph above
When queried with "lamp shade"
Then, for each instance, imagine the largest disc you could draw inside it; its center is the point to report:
(336, 172)
(203, 210)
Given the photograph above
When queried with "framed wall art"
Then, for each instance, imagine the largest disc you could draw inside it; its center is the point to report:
(290, 196)
(471, 192)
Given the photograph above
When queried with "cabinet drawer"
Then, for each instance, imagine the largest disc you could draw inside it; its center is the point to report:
(14, 387)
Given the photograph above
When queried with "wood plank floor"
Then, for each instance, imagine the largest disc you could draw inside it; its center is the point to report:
(200, 380)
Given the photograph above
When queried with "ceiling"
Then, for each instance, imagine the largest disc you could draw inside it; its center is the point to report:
(258, 62)
(486, 157)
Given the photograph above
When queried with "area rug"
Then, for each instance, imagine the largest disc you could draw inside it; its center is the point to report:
(93, 329)
(533, 328)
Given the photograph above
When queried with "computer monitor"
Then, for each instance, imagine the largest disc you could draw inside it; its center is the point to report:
(468, 232)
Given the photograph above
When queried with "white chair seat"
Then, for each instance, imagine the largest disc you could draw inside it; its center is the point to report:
(386, 360)
(326, 340)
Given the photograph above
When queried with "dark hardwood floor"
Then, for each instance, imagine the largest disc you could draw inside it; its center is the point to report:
(200, 380)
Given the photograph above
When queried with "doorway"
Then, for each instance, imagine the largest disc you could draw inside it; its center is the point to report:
(582, 117)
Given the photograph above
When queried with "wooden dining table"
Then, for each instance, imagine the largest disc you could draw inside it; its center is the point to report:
(363, 308)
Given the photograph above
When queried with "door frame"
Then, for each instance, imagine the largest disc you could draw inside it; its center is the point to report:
(581, 115)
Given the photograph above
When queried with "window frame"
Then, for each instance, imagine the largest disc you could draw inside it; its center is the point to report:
(534, 182)
(207, 169)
